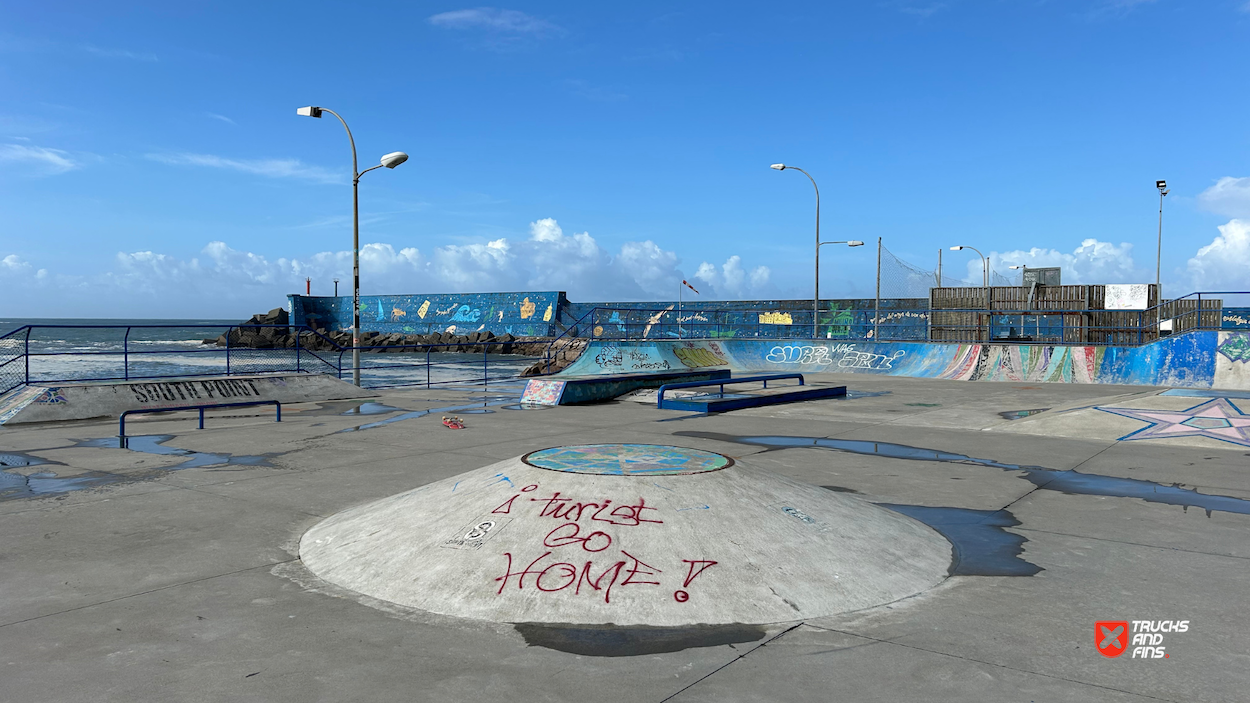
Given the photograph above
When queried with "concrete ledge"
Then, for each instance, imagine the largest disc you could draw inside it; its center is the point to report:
(79, 401)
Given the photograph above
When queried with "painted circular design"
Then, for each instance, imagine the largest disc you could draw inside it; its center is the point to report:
(627, 460)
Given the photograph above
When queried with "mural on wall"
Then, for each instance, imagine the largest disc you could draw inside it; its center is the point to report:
(501, 313)
(1232, 360)
(1217, 418)
(1186, 360)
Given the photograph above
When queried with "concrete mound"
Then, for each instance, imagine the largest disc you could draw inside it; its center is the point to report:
(626, 534)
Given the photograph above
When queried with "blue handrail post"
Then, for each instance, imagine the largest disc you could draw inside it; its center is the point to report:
(126, 354)
(228, 335)
(428, 347)
(26, 353)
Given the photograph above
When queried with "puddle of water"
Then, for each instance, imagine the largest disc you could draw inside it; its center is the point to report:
(527, 406)
(16, 486)
(474, 409)
(154, 444)
(1017, 414)
(923, 405)
(981, 546)
(615, 641)
(1069, 481)
(861, 394)
(371, 409)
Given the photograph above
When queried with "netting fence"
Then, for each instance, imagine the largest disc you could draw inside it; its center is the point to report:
(901, 279)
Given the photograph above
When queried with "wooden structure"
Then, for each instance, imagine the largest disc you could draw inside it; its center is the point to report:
(1071, 314)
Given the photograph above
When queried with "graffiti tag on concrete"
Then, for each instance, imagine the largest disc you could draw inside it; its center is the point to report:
(842, 355)
(1236, 348)
(585, 550)
(194, 390)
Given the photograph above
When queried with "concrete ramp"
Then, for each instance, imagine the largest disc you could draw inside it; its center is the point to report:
(1200, 359)
(627, 534)
(79, 401)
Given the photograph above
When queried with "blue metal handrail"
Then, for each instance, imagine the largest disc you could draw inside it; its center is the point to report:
(121, 419)
(722, 382)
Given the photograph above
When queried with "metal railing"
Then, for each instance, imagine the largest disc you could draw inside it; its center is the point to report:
(44, 354)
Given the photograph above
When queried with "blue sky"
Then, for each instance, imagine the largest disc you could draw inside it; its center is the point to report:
(152, 164)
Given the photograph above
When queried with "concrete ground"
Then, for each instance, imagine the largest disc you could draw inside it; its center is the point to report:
(160, 584)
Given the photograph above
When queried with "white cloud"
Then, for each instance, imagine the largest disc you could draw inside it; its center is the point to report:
(1092, 262)
(493, 19)
(1224, 264)
(15, 269)
(1229, 196)
(222, 118)
(43, 161)
(733, 281)
(120, 54)
(221, 280)
(271, 168)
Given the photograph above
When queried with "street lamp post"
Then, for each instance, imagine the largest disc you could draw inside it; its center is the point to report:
(336, 287)
(985, 280)
(1163, 190)
(390, 160)
(853, 243)
(985, 264)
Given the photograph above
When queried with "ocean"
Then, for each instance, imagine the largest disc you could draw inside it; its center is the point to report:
(103, 349)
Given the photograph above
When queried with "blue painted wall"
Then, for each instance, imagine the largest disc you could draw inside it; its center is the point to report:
(540, 314)
(518, 314)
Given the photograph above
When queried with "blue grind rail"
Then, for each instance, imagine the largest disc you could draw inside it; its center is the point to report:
(121, 419)
(706, 404)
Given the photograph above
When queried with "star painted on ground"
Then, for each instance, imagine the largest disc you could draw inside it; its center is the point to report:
(1217, 418)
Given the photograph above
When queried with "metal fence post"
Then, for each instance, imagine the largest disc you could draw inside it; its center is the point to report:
(876, 310)
(26, 353)
(126, 355)
(228, 330)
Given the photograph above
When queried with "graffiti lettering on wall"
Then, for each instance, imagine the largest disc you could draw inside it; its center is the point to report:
(776, 318)
(642, 361)
(584, 551)
(1236, 348)
(698, 357)
(843, 355)
(194, 390)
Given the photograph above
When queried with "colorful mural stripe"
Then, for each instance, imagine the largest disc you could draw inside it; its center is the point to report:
(1186, 360)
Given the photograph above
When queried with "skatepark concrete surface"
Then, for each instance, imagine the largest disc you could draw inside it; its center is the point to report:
(172, 571)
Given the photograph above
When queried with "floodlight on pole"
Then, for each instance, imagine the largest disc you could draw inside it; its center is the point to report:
(390, 160)
(1163, 190)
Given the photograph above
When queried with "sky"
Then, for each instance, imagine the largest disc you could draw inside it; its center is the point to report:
(152, 163)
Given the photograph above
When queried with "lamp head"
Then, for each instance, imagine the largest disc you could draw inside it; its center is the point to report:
(779, 167)
(394, 159)
(855, 243)
(1016, 267)
(308, 111)
(959, 248)
(1161, 185)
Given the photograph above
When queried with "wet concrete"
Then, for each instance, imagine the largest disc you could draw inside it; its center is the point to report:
(981, 546)
(372, 408)
(154, 444)
(474, 409)
(1018, 414)
(1070, 482)
(614, 641)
